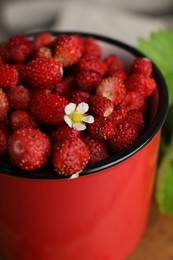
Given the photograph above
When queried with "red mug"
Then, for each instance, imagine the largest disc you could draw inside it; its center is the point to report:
(101, 215)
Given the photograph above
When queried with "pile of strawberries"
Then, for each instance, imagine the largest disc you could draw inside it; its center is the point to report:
(63, 104)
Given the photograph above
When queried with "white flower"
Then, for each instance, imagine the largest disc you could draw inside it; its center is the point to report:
(75, 175)
(75, 116)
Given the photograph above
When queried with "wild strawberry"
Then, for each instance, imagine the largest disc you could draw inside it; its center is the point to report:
(28, 148)
(142, 84)
(69, 157)
(91, 48)
(62, 132)
(113, 63)
(4, 53)
(97, 148)
(42, 73)
(142, 66)
(112, 88)
(101, 106)
(42, 52)
(5, 127)
(18, 97)
(136, 119)
(120, 74)
(4, 105)
(125, 135)
(3, 143)
(132, 100)
(60, 88)
(19, 48)
(21, 119)
(88, 80)
(42, 39)
(1, 60)
(70, 81)
(48, 108)
(118, 115)
(91, 64)
(102, 128)
(68, 49)
(33, 92)
(78, 96)
(8, 76)
(19, 67)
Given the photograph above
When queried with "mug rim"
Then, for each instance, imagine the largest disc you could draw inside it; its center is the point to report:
(147, 136)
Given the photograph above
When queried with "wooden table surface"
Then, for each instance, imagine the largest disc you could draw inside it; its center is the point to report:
(157, 242)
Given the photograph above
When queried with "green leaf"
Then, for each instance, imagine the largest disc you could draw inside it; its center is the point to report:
(167, 129)
(164, 182)
(159, 48)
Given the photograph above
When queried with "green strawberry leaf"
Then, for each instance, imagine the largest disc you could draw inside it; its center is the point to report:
(164, 182)
(159, 48)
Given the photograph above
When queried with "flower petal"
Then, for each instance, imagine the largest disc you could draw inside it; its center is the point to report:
(70, 108)
(82, 107)
(75, 175)
(68, 121)
(79, 126)
(88, 119)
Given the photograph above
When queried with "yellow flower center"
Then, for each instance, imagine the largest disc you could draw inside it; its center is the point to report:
(76, 117)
